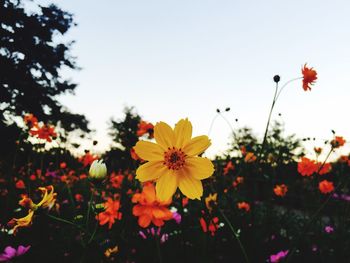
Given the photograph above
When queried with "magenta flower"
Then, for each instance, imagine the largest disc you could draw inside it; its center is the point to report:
(177, 217)
(278, 257)
(329, 229)
(10, 252)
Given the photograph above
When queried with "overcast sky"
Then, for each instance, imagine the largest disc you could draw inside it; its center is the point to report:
(185, 58)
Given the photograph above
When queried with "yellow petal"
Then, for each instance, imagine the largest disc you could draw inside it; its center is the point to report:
(166, 185)
(190, 186)
(164, 135)
(198, 167)
(149, 151)
(183, 133)
(150, 171)
(197, 145)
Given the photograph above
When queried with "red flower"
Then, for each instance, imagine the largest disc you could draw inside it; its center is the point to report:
(87, 159)
(309, 77)
(280, 190)
(44, 132)
(307, 167)
(326, 187)
(145, 127)
(20, 184)
(229, 167)
(116, 180)
(243, 206)
(63, 165)
(212, 227)
(326, 168)
(337, 142)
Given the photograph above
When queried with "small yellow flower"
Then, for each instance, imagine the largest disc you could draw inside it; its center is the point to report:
(21, 222)
(111, 251)
(98, 170)
(210, 201)
(173, 160)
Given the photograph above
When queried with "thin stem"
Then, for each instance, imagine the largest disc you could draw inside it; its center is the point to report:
(89, 208)
(285, 84)
(64, 221)
(212, 123)
(93, 234)
(157, 239)
(269, 119)
(235, 235)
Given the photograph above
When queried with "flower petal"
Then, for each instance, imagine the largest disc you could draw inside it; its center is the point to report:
(197, 145)
(198, 167)
(166, 185)
(150, 171)
(183, 133)
(149, 151)
(149, 193)
(164, 135)
(144, 221)
(190, 186)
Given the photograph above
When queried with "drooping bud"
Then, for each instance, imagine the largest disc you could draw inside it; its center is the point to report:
(276, 78)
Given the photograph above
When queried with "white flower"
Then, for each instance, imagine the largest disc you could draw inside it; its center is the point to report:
(98, 170)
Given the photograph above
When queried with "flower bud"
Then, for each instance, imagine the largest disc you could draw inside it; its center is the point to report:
(98, 170)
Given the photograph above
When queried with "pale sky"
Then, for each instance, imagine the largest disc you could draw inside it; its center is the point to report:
(185, 58)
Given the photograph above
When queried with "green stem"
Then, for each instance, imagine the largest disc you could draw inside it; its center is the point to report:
(64, 221)
(236, 236)
(89, 208)
(157, 239)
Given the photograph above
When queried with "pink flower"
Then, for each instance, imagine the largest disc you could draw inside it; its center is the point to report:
(278, 257)
(329, 229)
(10, 252)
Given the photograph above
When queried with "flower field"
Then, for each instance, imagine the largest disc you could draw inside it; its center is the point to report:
(156, 197)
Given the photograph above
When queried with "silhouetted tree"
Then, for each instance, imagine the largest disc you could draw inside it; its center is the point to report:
(31, 60)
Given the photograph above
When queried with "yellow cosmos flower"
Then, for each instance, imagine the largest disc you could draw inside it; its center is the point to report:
(49, 197)
(21, 222)
(173, 160)
(210, 201)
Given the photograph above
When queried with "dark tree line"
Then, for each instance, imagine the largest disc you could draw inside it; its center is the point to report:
(31, 60)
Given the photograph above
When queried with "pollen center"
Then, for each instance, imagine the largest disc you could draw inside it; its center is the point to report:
(174, 158)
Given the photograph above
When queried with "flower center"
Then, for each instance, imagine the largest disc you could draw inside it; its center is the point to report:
(174, 158)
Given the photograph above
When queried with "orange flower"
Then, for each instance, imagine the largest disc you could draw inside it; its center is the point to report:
(243, 206)
(30, 120)
(134, 156)
(44, 132)
(239, 180)
(307, 167)
(149, 208)
(280, 190)
(145, 127)
(326, 168)
(63, 165)
(87, 159)
(229, 167)
(309, 77)
(110, 214)
(337, 142)
(250, 157)
(326, 187)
